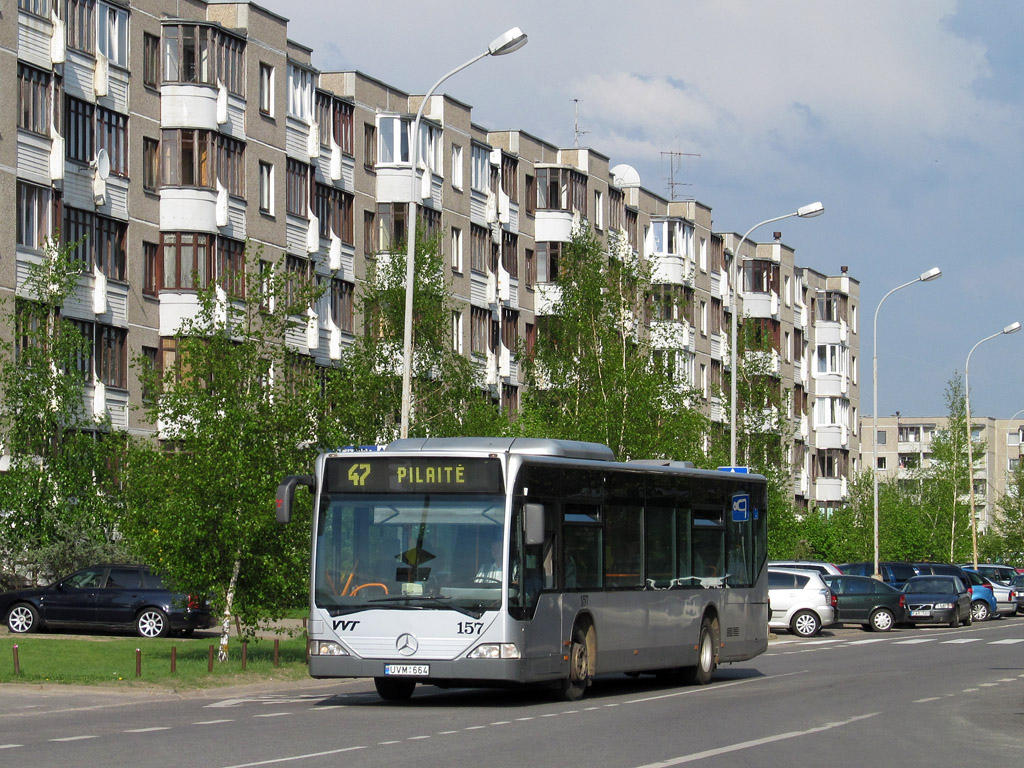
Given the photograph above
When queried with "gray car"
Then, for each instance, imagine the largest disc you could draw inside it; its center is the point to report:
(937, 599)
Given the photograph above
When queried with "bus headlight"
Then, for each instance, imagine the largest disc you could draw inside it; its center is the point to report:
(326, 648)
(495, 651)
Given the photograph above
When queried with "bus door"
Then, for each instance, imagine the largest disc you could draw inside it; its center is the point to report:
(534, 596)
(741, 609)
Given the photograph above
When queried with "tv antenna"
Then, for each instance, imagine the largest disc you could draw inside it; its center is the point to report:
(576, 123)
(674, 162)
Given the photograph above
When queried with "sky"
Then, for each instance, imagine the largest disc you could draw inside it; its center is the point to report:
(904, 118)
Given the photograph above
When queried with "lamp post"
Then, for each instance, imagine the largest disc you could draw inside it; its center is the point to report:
(925, 277)
(1011, 328)
(512, 40)
(804, 212)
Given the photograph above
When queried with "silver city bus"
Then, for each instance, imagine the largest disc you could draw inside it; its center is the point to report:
(506, 561)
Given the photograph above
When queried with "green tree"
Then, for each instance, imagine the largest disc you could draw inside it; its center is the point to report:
(944, 483)
(448, 395)
(56, 495)
(236, 411)
(1004, 542)
(595, 374)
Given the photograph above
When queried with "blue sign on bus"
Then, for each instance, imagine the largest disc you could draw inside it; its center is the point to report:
(740, 507)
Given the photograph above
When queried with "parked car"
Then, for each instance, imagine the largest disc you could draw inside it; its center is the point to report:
(866, 601)
(1002, 574)
(893, 573)
(942, 599)
(983, 600)
(940, 569)
(1004, 596)
(799, 601)
(1018, 585)
(807, 565)
(106, 596)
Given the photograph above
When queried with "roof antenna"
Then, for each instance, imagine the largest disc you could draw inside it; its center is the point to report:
(576, 123)
(674, 161)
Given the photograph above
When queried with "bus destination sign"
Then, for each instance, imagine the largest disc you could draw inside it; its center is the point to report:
(383, 474)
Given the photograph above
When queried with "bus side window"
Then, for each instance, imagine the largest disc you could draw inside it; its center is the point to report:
(660, 543)
(583, 549)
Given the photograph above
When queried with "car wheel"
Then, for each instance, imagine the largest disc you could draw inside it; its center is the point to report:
(23, 618)
(955, 621)
(980, 611)
(706, 657)
(394, 688)
(152, 622)
(882, 620)
(575, 685)
(805, 624)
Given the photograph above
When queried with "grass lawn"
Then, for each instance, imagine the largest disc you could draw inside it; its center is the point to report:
(111, 660)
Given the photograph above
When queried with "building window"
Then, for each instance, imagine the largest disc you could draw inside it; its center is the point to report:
(334, 213)
(760, 276)
(79, 129)
(33, 100)
(457, 170)
(150, 254)
(479, 248)
(369, 145)
(266, 188)
(598, 209)
(531, 268)
(457, 331)
(510, 177)
(149, 355)
(39, 8)
(391, 226)
(297, 183)
(150, 164)
(33, 215)
(112, 34)
(203, 54)
(112, 135)
(111, 247)
(456, 249)
(531, 194)
(479, 330)
(81, 25)
(111, 355)
(510, 328)
(342, 293)
(266, 89)
(393, 146)
(880, 437)
(298, 277)
(230, 168)
(547, 262)
(562, 189)
(187, 158)
(510, 253)
(300, 93)
(150, 60)
(369, 234)
(229, 266)
(185, 260)
(480, 178)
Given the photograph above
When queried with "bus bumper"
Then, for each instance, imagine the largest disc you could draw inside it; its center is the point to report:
(484, 670)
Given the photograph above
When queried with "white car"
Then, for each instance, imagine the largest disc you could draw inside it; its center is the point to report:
(808, 565)
(799, 601)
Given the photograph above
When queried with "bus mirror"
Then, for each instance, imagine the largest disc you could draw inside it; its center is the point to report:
(286, 495)
(533, 514)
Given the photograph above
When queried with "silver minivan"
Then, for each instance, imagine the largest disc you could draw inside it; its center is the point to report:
(799, 601)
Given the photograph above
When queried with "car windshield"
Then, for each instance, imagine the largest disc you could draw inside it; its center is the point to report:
(409, 552)
(926, 585)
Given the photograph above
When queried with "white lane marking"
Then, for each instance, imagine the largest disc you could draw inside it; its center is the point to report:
(273, 714)
(824, 642)
(987, 685)
(297, 757)
(1008, 641)
(970, 690)
(930, 698)
(212, 722)
(691, 758)
(502, 722)
(524, 719)
(446, 733)
(417, 738)
(869, 640)
(704, 689)
(386, 743)
(915, 641)
(474, 727)
(1007, 679)
(11, 746)
(961, 641)
(148, 730)
(74, 738)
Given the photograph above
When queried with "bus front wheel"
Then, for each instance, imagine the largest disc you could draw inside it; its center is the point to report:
(701, 674)
(575, 685)
(394, 688)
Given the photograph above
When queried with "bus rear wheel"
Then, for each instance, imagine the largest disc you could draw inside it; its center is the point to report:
(394, 688)
(575, 685)
(706, 658)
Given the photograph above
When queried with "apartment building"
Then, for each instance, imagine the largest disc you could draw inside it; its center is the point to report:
(905, 446)
(172, 134)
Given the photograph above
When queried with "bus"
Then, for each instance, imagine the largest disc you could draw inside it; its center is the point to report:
(477, 562)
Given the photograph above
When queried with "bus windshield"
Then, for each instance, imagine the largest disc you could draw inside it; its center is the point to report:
(409, 551)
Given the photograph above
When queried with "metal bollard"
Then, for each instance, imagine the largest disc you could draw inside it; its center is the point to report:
(138, 662)
(277, 652)
(209, 665)
(17, 664)
(174, 659)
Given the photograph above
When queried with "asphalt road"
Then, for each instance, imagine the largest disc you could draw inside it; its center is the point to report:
(912, 697)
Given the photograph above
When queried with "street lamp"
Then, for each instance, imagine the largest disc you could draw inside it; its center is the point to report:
(805, 212)
(511, 41)
(931, 274)
(1011, 328)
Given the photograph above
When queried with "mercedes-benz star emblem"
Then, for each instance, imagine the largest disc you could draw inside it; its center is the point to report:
(406, 644)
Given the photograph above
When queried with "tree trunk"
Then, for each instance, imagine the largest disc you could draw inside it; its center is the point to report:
(229, 599)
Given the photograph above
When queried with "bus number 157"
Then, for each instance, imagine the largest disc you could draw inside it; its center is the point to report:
(470, 627)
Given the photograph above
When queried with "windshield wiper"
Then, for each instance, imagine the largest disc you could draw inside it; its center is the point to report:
(417, 601)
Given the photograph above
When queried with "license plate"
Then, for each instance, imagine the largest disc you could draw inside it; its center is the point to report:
(920, 613)
(407, 670)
